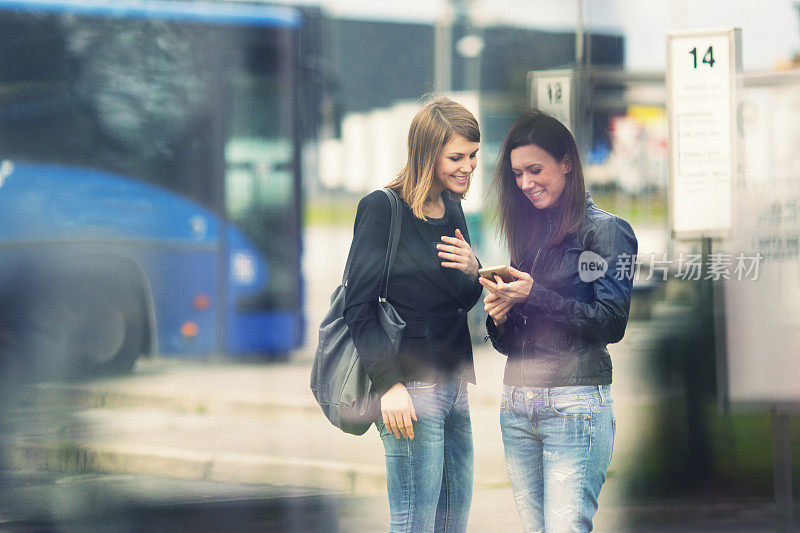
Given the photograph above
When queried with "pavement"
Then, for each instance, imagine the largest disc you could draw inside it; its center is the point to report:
(230, 424)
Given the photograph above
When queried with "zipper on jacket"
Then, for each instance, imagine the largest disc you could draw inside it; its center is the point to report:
(533, 267)
(536, 257)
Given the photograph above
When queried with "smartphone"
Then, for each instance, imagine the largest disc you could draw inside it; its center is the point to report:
(500, 270)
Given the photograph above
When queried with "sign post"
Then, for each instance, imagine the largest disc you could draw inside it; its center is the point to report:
(703, 70)
(702, 66)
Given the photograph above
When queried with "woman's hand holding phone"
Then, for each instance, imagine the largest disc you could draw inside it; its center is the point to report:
(458, 254)
(514, 292)
(397, 411)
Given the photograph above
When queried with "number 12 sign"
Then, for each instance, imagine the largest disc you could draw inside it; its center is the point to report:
(701, 70)
(552, 92)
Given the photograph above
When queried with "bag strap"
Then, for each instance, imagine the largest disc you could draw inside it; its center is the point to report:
(394, 239)
(391, 247)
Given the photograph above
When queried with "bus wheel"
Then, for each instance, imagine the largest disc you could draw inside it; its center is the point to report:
(109, 329)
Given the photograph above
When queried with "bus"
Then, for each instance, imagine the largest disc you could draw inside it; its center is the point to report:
(150, 182)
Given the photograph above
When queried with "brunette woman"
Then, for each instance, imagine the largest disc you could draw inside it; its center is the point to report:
(570, 299)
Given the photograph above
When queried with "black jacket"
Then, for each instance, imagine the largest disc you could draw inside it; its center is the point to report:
(436, 344)
(558, 337)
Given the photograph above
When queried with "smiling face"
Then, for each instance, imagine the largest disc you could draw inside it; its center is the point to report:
(540, 177)
(455, 165)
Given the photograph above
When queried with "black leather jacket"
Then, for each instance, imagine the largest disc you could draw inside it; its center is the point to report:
(558, 336)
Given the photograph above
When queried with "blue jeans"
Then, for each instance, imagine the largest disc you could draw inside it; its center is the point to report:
(558, 445)
(430, 477)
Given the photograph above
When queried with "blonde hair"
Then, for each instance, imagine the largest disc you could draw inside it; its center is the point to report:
(435, 125)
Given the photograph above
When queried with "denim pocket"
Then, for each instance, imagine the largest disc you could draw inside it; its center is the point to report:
(505, 403)
(382, 429)
(613, 432)
(572, 408)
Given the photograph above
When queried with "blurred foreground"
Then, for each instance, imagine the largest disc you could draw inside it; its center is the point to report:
(242, 447)
(221, 447)
(218, 445)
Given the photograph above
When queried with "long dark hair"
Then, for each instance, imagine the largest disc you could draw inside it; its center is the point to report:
(519, 220)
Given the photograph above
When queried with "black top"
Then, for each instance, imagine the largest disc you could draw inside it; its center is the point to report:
(435, 229)
(433, 300)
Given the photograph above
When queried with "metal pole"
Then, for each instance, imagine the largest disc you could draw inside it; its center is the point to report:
(579, 97)
(219, 131)
(443, 53)
(782, 468)
(579, 37)
(472, 80)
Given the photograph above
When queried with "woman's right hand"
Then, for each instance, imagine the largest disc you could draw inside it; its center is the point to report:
(398, 411)
(497, 308)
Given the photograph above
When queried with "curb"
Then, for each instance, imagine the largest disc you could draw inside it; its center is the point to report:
(84, 397)
(95, 398)
(188, 465)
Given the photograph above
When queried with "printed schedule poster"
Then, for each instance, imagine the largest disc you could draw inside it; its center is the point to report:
(762, 306)
(701, 130)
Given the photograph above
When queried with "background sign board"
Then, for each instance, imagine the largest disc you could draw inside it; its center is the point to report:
(762, 306)
(553, 91)
(701, 69)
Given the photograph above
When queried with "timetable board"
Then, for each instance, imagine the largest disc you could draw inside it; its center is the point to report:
(701, 99)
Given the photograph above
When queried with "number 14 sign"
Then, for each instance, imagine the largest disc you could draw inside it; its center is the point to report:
(701, 70)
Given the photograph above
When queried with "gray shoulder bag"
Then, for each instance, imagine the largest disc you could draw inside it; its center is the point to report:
(339, 382)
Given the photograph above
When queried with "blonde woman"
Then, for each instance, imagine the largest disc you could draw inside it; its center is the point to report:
(425, 425)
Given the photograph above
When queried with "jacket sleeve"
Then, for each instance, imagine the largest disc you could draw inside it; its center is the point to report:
(368, 252)
(474, 290)
(501, 340)
(606, 316)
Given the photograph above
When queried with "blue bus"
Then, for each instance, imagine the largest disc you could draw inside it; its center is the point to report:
(150, 182)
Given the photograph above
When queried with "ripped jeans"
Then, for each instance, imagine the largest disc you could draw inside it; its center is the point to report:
(558, 443)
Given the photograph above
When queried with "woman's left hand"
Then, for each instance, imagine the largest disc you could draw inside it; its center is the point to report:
(514, 292)
(458, 254)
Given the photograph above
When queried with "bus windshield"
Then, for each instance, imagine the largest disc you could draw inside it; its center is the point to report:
(193, 99)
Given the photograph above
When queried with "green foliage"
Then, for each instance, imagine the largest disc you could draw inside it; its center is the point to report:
(331, 210)
(645, 209)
